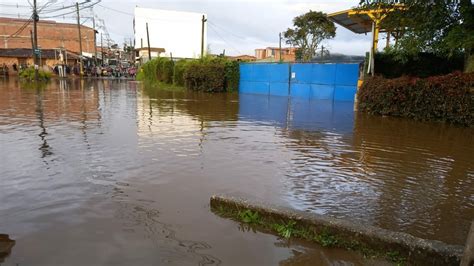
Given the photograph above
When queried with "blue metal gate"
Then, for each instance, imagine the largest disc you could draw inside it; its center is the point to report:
(336, 82)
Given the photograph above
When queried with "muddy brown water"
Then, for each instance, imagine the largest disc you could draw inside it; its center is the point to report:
(110, 173)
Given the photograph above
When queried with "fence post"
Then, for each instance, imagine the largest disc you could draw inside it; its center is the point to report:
(468, 256)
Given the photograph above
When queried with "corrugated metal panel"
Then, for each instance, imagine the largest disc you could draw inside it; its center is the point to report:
(254, 87)
(301, 73)
(322, 92)
(344, 93)
(347, 74)
(279, 88)
(323, 74)
(300, 90)
(279, 72)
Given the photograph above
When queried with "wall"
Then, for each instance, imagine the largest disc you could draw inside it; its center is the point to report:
(305, 81)
(50, 35)
(178, 32)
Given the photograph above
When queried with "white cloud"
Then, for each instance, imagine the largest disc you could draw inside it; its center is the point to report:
(241, 25)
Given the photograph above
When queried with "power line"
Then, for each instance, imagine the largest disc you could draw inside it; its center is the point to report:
(118, 11)
(74, 11)
(218, 35)
(235, 35)
(20, 29)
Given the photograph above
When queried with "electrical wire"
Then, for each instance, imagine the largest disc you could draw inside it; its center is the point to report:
(20, 30)
(235, 35)
(218, 35)
(118, 11)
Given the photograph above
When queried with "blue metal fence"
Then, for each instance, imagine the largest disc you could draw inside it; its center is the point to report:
(336, 82)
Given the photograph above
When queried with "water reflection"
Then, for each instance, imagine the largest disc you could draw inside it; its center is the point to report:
(394, 173)
(118, 155)
(6, 246)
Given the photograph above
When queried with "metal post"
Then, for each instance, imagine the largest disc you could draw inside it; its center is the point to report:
(148, 40)
(95, 41)
(202, 35)
(80, 39)
(101, 49)
(35, 39)
(372, 52)
(280, 48)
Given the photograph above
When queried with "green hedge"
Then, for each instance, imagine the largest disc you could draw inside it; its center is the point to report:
(424, 65)
(29, 74)
(448, 98)
(179, 69)
(205, 76)
(164, 71)
(208, 74)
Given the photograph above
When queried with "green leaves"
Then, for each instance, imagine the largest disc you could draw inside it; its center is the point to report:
(437, 26)
(446, 98)
(249, 217)
(285, 230)
(309, 31)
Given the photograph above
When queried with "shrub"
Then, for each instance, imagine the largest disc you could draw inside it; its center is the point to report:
(164, 70)
(232, 75)
(212, 75)
(389, 65)
(29, 74)
(149, 70)
(179, 69)
(448, 98)
(205, 76)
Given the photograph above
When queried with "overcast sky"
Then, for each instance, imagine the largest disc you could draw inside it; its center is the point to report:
(238, 26)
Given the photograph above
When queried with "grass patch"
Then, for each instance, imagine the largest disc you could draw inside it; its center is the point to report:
(291, 228)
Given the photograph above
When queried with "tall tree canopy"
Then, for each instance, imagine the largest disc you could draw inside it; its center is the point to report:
(308, 31)
(443, 27)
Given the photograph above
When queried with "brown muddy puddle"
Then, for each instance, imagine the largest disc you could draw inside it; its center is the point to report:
(108, 173)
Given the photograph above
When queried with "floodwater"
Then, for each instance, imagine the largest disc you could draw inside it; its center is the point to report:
(108, 173)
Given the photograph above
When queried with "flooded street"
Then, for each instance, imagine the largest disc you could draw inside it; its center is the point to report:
(109, 173)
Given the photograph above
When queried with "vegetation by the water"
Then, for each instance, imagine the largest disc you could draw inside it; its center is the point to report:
(422, 65)
(210, 74)
(28, 74)
(292, 229)
(448, 98)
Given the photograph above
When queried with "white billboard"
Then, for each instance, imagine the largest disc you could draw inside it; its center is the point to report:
(177, 32)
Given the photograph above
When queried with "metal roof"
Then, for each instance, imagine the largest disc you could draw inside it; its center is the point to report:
(360, 23)
(27, 53)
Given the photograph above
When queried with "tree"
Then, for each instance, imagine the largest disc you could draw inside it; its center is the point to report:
(309, 31)
(441, 27)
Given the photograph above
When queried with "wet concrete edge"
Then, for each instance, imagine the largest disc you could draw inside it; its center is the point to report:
(416, 250)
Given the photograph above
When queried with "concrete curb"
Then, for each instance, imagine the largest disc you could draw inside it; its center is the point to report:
(417, 251)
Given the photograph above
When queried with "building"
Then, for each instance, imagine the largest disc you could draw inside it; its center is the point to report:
(48, 57)
(288, 54)
(141, 54)
(179, 33)
(15, 33)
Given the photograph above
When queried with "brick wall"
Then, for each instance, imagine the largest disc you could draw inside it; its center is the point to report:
(50, 35)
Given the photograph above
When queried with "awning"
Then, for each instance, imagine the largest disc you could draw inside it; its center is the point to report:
(360, 23)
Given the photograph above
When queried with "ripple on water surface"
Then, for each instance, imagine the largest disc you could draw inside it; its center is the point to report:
(109, 161)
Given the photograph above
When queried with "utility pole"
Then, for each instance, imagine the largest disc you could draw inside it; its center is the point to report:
(95, 40)
(148, 40)
(101, 49)
(80, 39)
(35, 39)
(202, 35)
(280, 48)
